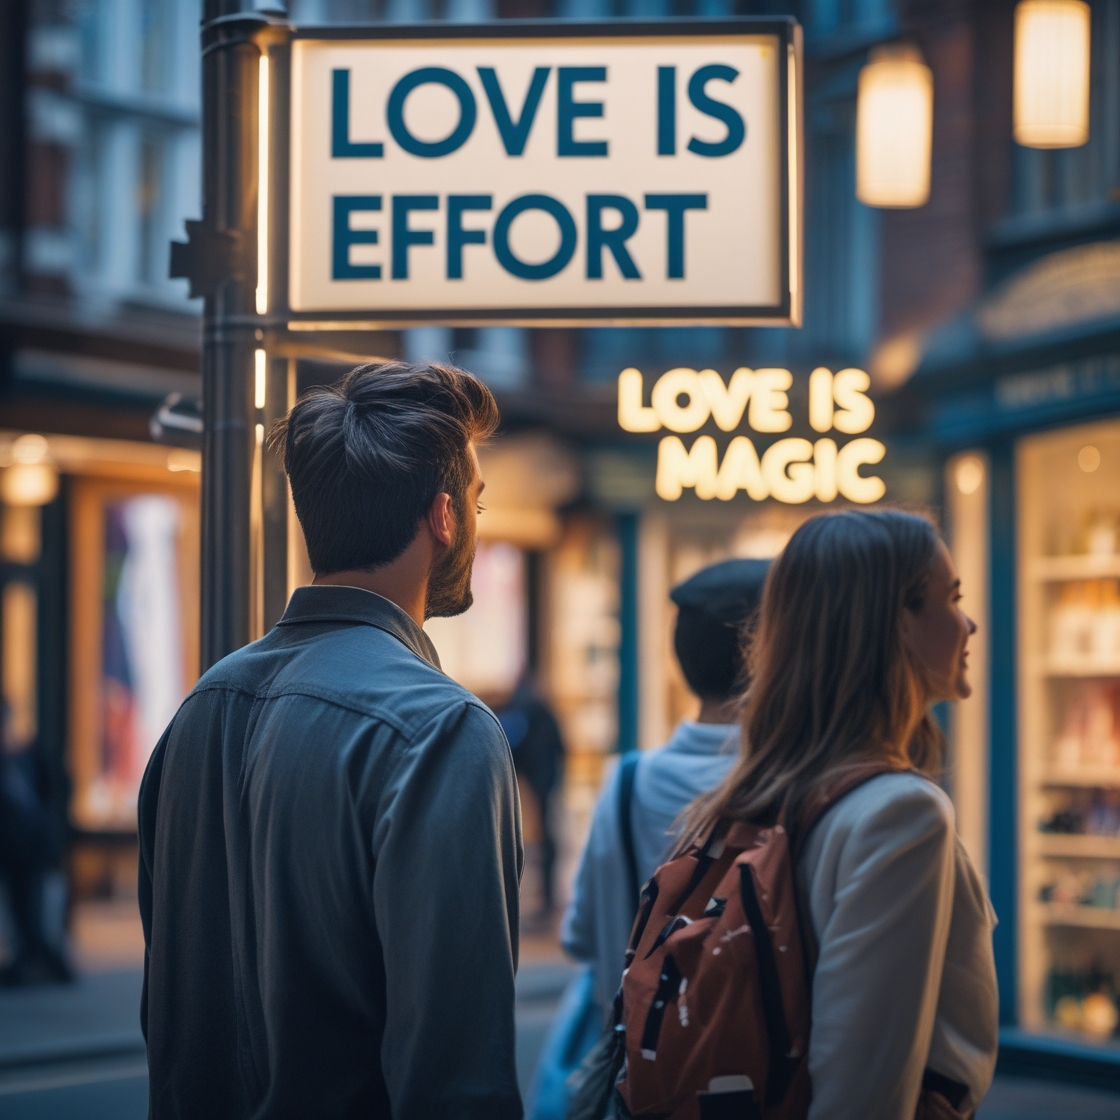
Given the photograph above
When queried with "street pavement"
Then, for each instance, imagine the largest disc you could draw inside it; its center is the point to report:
(76, 1053)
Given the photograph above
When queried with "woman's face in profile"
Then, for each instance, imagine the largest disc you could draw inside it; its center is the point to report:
(937, 634)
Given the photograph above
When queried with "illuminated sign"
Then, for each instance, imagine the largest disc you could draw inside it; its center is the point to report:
(562, 172)
(791, 470)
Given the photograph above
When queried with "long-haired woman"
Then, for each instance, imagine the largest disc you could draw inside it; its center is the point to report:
(860, 632)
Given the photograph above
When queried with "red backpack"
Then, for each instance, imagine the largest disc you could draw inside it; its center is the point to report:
(716, 995)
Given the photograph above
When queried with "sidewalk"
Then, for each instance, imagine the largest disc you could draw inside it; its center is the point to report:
(96, 1017)
(76, 1052)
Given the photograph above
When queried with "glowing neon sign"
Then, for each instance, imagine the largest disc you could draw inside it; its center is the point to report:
(791, 470)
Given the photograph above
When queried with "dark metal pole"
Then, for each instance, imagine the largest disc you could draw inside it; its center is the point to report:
(227, 236)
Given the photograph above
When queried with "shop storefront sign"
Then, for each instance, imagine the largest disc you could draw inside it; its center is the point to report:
(1039, 397)
(1089, 377)
(791, 469)
(601, 173)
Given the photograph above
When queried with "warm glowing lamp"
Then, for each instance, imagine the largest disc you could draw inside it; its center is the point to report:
(29, 484)
(32, 479)
(1051, 73)
(894, 128)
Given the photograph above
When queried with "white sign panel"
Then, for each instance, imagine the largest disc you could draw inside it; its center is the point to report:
(598, 173)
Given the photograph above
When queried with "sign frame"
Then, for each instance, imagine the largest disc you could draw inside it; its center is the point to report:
(787, 310)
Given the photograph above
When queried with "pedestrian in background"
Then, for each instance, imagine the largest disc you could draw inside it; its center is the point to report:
(860, 632)
(538, 756)
(632, 827)
(29, 848)
(330, 844)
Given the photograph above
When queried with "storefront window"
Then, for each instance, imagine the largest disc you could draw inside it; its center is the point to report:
(135, 637)
(20, 647)
(1069, 728)
(585, 636)
(484, 649)
(142, 647)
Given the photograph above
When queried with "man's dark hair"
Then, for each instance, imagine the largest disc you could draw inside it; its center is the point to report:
(367, 456)
(710, 653)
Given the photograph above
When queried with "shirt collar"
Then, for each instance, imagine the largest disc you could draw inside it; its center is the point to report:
(705, 738)
(333, 603)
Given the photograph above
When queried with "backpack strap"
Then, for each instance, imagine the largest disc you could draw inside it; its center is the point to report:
(627, 771)
(824, 797)
(819, 802)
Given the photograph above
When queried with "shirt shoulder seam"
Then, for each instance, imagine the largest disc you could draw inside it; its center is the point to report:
(373, 711)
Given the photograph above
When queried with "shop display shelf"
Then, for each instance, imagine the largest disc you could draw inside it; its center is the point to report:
(1068, 640)
(1087, 917)
(1083, 847)
(1082, 667)
(1054, 569)
(1092, 777)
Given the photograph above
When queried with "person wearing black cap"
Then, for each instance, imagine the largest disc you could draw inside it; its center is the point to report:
(715, 608)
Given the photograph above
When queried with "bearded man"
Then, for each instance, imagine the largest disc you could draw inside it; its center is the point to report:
(330, 838)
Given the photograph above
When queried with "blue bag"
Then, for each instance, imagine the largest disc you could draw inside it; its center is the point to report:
(578, 1025)
(576, 1028)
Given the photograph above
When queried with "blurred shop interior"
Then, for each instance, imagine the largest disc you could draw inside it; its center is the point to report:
(970, 265)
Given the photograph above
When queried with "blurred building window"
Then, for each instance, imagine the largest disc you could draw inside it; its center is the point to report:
(334, 11)
(21, 534)
(142, 670)
(841, 243)
(157, 44)
(841, 246)
(1065, 180)
(137, 167)
(392, 11)
(485, 648)
(862, 18)
(19, 622)
(148, 197)
(134, 635)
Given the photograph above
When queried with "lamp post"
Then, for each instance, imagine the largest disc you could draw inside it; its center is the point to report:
(1051, 91)
(894, 128)
(247, 383)
(227, 261)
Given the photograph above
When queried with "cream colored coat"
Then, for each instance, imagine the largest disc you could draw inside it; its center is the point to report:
(905, 978)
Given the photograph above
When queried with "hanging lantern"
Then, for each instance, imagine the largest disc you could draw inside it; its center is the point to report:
(32, 479)
(894, 128)
(1051, 73)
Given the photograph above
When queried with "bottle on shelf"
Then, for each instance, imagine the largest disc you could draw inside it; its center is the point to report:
(1103, 817)
(1086, 812)
(1106, 623)
(1082, 997)
(1072, 622)
(1090, 735)
(1100, 534)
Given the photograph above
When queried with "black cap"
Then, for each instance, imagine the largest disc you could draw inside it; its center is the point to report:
(729, 591)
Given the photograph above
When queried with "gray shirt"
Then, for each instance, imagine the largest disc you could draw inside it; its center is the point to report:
(596, 926)
(330, 853)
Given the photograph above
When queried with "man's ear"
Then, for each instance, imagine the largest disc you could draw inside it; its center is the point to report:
(441, 519)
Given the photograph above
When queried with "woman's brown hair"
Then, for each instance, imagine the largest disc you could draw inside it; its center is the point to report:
(832, 684)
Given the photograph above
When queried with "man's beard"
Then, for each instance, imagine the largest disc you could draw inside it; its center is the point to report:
(449, 587)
